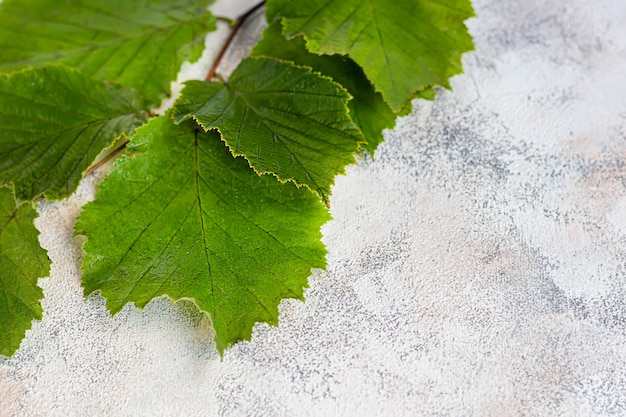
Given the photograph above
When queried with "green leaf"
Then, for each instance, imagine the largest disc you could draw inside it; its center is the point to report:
(286, 120)
(53, 123)
(22, 262)
(367, 108)
(139, 44)
(403, 46)
(183, 218)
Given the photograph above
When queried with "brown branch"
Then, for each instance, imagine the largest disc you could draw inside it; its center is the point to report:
(240, 22)
(106, 159)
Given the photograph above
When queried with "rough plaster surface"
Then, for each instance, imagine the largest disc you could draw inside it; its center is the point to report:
(477, 267)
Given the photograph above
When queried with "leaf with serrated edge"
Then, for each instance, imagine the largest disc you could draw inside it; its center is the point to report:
(135, 44)
(183, 218)
(286, 120)
(367, 107)
(403, 46)
(54, 122)
(22, 262)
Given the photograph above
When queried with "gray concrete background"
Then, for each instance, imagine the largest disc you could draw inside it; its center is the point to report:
(476, 267)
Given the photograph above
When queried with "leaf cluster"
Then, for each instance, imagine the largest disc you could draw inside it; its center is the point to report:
(220, 200)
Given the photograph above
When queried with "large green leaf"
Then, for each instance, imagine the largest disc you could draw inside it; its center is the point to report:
(183, 218)
(139, 44)
(54, 121)
(403, 46)
(367, 107)
(22, 262)
(286, 120)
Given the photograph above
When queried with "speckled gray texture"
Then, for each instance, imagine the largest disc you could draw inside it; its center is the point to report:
(477, 267)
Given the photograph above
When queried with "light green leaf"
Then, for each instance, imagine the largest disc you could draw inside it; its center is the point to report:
(286, 120)
(367, 108)
(139, 44)
(22, 262)
(403, 46)
(183, 218)
(53, 123)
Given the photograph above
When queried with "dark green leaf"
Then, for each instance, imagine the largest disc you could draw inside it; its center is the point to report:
(22, 262)
(284, 119)
(183, 218)
(53, 123)
(139, 44)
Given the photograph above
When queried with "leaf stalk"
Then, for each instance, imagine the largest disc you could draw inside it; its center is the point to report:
(241, 20)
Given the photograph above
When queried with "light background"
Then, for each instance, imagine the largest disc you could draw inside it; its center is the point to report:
(476, 267)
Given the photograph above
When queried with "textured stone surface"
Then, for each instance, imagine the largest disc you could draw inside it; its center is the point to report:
(477, 267)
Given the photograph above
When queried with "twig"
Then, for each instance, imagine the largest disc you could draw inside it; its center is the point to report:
(106, 159)
(240, 21)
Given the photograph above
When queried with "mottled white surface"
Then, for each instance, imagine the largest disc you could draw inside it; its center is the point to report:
(477, 267)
